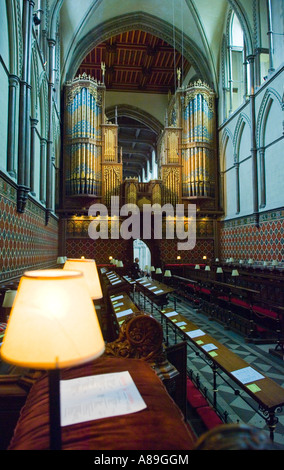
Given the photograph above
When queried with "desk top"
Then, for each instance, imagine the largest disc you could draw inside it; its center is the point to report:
(154, 287)
(122, 306)
(267, 393)
(160, 426)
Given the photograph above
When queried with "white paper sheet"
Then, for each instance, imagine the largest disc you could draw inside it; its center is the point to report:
(171, 314)
(124, 312)
(98, 396)
(195, 333)
(209, 347)
(116, 297)
(247, 374)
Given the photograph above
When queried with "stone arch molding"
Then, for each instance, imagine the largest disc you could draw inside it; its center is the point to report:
(135, 113)
(147, 23)
(243, 119)
(226, 136)
(269, 96)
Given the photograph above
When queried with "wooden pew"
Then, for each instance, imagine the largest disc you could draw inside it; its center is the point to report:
(139, 335)
(265, 392)
(239, 308)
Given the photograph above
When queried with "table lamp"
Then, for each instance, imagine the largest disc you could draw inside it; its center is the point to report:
(61, 260)
(197, 266)
(158, 271)
(90, 271)
(152, 268)
(120, 264)
(235, 272)
(167, 273)
(8, 301)
(53, 325)
(9, 298)
(219, 270)
(207, 268)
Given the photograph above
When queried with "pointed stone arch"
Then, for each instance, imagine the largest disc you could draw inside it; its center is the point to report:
(147, 23)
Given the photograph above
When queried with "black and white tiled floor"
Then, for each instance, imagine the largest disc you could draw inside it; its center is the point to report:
(258, 356)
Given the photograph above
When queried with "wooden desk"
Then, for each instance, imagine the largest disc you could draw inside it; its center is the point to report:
(265, 392)
(121, 306)
(156, 291)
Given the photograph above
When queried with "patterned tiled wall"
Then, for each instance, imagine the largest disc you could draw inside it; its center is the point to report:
(25, 241)
(169, 251)
(100, 250)
(242, 239)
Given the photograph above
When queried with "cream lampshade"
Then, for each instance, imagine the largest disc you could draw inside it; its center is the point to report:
(158, 271)
(219, 270)
(197, 266)
(235, 272)
(61, 260)
(53, 325)
(89, 268)
(167, 273)
(152, 268)
(207, 268)
(53, 322)
(120, 264)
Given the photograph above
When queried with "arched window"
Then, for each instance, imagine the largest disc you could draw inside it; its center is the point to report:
(237, 66)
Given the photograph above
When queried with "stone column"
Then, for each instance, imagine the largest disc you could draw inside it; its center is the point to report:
(11, 150)
(237, 168)
(270, 36)
(51, 46)
(262, 177)
(253, 140)
(34, 123)
(24, 107)
(42, 195)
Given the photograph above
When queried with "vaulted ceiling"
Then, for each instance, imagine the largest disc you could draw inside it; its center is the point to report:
(135, 61)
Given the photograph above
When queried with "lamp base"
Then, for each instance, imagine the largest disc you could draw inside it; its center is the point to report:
(54, 409)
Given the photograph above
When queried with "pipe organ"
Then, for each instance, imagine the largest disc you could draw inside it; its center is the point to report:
(91, 166)
(187, 145)
(198, 142)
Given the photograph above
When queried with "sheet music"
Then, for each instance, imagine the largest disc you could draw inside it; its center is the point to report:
(98, 396)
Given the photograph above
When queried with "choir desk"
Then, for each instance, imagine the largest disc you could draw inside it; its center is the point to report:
(160, 426)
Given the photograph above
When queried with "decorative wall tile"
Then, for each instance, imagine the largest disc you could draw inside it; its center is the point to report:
(25, 241)
(242, 239)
